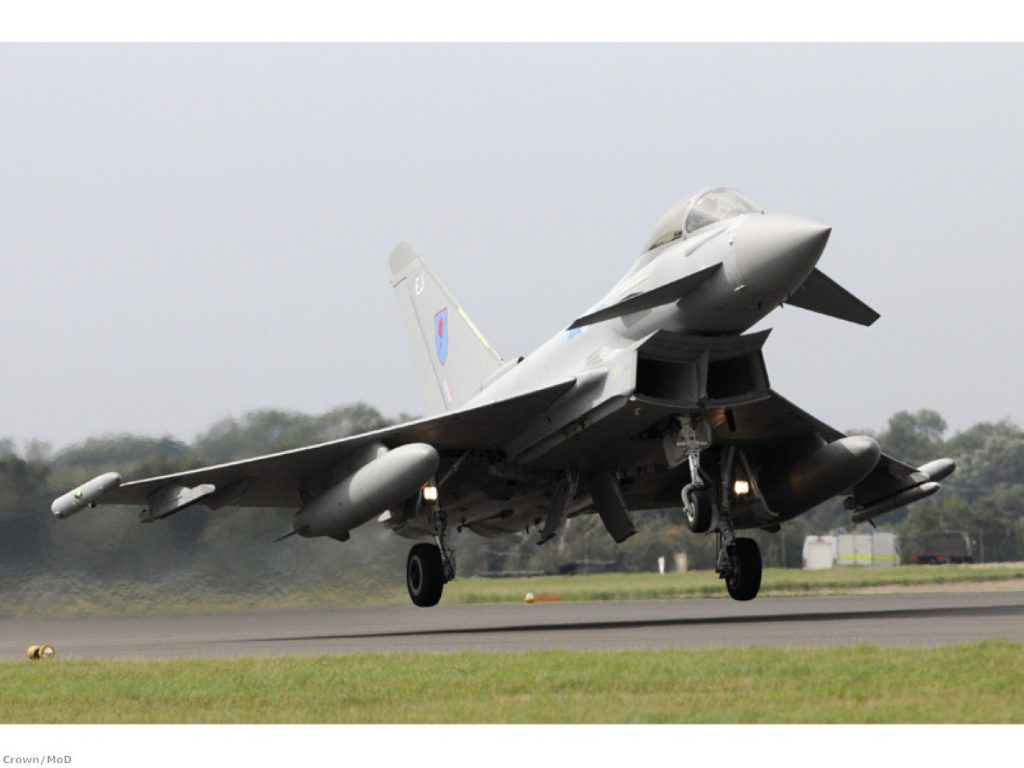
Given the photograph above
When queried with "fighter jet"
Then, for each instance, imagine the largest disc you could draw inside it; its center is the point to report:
(654, 398)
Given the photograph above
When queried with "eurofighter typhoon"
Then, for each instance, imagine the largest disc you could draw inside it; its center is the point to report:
(656, 397)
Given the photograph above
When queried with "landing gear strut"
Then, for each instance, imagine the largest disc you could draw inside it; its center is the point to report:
(693, 437)
(430, 566)
(739, 560)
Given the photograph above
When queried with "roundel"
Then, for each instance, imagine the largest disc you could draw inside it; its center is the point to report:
(441, 335)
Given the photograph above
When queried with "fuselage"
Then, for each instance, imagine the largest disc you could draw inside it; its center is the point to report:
(764, 258)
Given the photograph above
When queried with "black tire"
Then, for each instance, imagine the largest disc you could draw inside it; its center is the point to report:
(699, 510)
(745, 580)
(424, 575)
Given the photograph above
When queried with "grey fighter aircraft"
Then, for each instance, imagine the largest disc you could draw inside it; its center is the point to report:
(653, 398)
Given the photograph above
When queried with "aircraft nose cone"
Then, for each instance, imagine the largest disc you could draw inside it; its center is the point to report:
(775, 253)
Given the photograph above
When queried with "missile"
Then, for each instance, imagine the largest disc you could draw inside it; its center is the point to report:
(89, 493)
(901, 499)
(382, 483)
(822, 474)
(937, 470)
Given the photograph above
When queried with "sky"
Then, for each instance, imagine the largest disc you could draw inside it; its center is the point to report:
(189, 232)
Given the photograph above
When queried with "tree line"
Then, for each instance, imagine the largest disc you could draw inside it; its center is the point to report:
(235, 548)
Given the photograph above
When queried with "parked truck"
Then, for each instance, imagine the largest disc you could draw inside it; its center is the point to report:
(944, 547)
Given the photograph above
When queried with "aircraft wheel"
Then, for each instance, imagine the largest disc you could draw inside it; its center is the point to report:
(744, 581)
(699, 510)
(424, 575)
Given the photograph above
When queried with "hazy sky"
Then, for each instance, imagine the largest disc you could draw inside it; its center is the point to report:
(189, 232)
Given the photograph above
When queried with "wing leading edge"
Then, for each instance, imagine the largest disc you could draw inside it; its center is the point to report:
(278, 479)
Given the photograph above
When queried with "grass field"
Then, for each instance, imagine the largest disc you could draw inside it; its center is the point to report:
(38, 596)
(978, 683)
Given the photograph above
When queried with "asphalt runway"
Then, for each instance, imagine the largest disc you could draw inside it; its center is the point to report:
(889, 620)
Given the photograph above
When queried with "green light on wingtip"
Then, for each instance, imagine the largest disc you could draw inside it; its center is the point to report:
(78, 494)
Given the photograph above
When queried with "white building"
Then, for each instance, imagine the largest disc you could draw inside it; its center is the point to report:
(878, 549)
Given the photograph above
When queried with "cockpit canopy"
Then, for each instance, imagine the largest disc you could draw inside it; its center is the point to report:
(694, 213)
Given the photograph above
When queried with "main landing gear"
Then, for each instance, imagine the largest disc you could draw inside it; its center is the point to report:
(430, 566)
(739, 559)
(424, 575)
(742, 573)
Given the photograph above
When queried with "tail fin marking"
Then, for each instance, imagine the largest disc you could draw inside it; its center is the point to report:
(451, 356)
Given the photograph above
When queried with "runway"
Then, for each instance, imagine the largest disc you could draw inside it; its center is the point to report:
(888, 620)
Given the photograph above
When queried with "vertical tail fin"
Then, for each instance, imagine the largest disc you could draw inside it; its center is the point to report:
(451, 356)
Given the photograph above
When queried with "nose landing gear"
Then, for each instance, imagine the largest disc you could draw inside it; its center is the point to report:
(693, 437)
(699, 509)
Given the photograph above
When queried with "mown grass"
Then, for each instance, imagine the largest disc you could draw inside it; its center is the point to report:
(978, 683)
(60, 597)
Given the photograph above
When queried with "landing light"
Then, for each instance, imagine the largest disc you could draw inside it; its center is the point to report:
(430, 493)
(741, 488)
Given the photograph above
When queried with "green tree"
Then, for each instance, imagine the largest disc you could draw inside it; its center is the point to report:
(269, 431)
(974, 438)
(914, 437)
(24, 528)
(999, 461)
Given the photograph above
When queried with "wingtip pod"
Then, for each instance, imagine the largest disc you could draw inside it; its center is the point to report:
(921, 484)
(86, 494)
(938, 470)
(901, 499)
